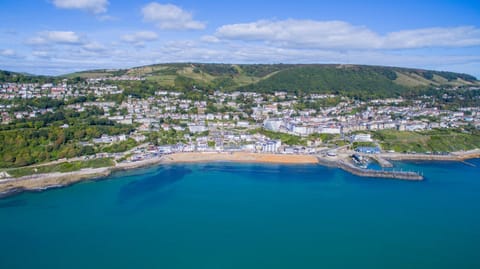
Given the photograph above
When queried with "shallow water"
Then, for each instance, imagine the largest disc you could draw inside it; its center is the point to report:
(227, 215)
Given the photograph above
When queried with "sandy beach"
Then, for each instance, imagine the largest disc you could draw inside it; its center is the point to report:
(189, 157)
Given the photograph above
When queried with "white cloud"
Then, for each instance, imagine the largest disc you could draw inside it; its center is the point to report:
(170, 17)
(7, 53)
(287, 41)
(59, 37)
(320, 34)
(106, 18)
(139, 38)
(94, 6)
(342, 35)
(41, 54)
(94, 47)
(210, 39)
(463, 36)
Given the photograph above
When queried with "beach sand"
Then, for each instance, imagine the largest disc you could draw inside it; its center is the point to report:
(189, 157)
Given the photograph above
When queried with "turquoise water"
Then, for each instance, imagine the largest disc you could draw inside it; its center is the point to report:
(226, 215)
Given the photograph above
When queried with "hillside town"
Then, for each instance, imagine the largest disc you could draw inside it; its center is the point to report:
(234, 121)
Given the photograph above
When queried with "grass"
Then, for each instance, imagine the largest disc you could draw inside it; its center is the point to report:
(61, 167)
(409, 81)
(364, 144)
(438, 140)
(165, 80)
(285, 138)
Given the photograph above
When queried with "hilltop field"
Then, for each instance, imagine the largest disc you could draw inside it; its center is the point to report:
(318, 78)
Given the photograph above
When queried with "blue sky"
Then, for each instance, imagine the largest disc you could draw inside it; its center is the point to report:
(62, 36)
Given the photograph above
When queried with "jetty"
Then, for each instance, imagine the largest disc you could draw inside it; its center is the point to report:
(363, 172)
(405, 175)
(384, 163)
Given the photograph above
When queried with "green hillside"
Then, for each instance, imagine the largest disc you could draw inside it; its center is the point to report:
(7, 76)
(331, 79)
(356, 80)
(291, 77)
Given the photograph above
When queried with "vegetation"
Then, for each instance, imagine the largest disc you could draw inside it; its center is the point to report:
(120, 147)
(7, 76)
(285, 138)
(169, 137)
(46, 138)
(356, 82)
(363, 144)
(434, 141)
(359, 81)
(61, 167)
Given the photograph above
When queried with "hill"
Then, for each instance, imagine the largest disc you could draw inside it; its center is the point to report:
(291, 77)
(7, 76)
(318, 78)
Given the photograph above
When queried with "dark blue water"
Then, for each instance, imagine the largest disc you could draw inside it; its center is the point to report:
(226, 215)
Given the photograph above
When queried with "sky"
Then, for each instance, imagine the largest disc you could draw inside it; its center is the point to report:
(53, 37)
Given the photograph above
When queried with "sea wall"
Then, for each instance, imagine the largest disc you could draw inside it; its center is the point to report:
(379, 174)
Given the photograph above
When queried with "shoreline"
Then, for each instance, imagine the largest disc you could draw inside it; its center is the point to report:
(41, 182)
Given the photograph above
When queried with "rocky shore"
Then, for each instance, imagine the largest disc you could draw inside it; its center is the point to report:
(40, 182)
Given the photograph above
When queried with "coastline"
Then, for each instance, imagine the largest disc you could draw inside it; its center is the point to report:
(40, 182)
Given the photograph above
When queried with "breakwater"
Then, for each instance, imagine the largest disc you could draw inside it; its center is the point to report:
(345, 165)
(404, 175)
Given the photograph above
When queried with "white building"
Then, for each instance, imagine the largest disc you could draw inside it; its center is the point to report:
(197, 128)
(271, 146)
(361, 138)
(272, 124)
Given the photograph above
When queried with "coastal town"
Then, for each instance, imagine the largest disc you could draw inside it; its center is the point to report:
(239, 134)
(229, 121)
(195, 125)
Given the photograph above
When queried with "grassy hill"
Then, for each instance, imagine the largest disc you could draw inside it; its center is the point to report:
(320, 78)
(7, 76)
(291, 77)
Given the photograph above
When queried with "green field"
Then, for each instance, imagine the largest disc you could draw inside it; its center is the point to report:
(437, 140)
(61, 167)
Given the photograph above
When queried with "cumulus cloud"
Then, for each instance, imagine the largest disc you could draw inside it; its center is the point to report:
(7, 53)
(462, 36)
(139, 38)
(94, 6)
(210, 39)
(343, 35)
(41, 54)
(59, 37)
(321, 34)
(170, 17)
(94, 47)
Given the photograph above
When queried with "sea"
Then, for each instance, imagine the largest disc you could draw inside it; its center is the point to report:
(237, 215)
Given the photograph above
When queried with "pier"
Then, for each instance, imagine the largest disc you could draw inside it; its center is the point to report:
(404, 175)
(362, 172)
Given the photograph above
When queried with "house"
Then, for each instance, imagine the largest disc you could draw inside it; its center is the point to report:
(361, 138)
(272, 124)
(368, 150)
